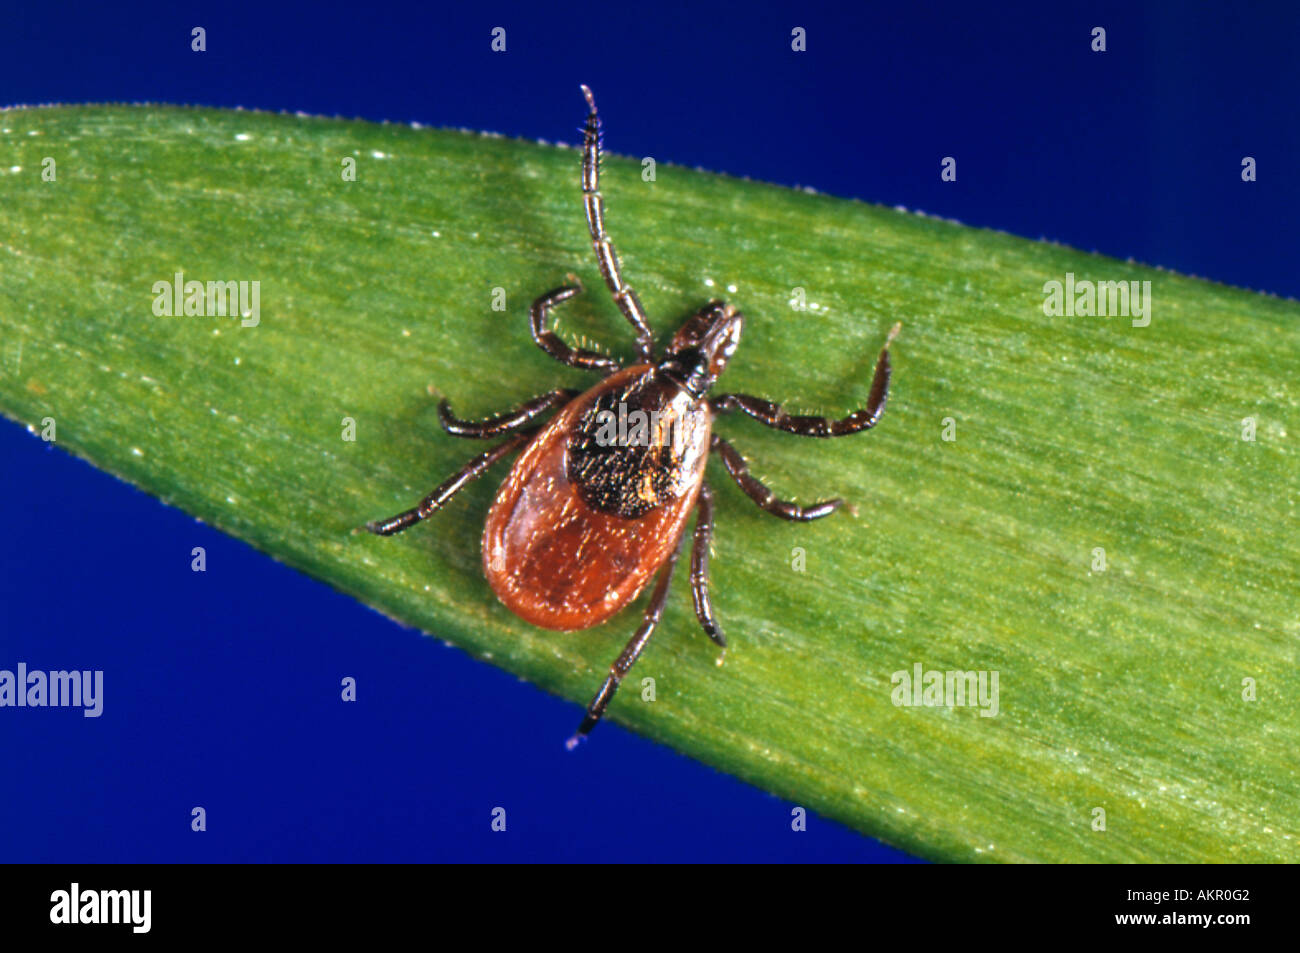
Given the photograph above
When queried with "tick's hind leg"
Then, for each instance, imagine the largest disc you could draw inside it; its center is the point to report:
(654, 609)
(764, 497)
(772, 415)
(539, 319)
(700, 568)
(502, 423)
(606, 256)
(439, 497)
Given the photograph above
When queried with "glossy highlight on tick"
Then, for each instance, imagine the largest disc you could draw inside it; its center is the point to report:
(583, 522)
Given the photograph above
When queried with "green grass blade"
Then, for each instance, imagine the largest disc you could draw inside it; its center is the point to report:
(1119, 689)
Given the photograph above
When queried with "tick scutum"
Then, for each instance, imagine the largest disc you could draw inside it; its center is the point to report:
(634, 447)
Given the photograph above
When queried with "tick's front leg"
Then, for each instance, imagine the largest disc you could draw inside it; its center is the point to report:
(539, 318)
(601, 243)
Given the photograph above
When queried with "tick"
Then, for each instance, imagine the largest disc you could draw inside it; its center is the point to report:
(598, 502)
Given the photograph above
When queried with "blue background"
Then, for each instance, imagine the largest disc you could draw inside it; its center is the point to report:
(1134, 153)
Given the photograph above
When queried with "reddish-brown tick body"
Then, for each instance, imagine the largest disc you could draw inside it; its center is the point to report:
(563, 557)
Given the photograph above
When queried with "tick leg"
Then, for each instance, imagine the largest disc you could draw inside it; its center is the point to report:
(764, 497)
(769, 413)
(502, 423)
(700, 567)
(539, 316)
(606, 256)
(435, 500)
(632, 651)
